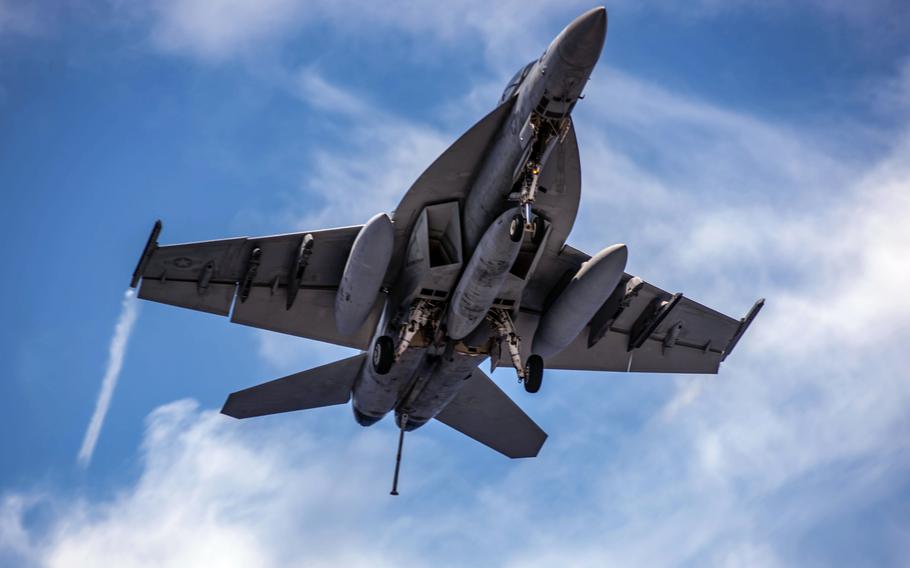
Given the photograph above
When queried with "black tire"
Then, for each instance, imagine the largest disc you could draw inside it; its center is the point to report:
(533, 373)
(538, 231)
(517, 228)
(383, 354)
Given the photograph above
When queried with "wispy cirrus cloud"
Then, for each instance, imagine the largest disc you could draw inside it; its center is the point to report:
(18, 18)
(224, 30)
(227, 29)
(219, 30)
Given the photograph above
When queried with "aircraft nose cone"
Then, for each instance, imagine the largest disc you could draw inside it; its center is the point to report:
(583, 39)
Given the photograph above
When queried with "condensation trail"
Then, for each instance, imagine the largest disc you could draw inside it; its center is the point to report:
(128, 314)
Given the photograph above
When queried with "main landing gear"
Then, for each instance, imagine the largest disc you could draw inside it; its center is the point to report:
(383, 354)
(530, 373)
(424, 313)
(533, 373)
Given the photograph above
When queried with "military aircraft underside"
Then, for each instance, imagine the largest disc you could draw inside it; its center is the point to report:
(472, 265)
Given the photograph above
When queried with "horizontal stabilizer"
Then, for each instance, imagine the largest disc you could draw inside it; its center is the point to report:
(482, 411)
(323, 386)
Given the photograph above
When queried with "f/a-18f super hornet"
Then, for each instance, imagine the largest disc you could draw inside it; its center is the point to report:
(471, 265)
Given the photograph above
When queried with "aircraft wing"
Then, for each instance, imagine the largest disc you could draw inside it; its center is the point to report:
(639, 328)
(482, 411)
(284, 283)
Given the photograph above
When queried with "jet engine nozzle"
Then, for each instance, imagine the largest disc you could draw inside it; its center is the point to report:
(580, 300)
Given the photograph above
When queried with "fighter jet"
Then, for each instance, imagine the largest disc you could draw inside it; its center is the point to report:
(472, 265)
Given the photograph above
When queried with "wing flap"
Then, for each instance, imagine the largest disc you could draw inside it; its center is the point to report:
(327, 385)
(312, 315)
(214, 299)
(610, 354)
(481, 410)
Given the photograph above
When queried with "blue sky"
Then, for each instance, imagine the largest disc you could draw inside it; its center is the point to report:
(740, 149)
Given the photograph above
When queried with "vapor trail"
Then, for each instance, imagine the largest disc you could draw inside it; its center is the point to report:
(117, 350)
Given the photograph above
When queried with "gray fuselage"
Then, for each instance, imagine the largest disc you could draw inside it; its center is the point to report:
(429, 373)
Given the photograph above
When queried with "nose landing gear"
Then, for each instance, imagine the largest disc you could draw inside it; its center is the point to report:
(526, 221)
(517, 228)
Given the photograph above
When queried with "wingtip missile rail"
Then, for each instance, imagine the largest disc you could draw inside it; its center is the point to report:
(743, 326)
(147, 252)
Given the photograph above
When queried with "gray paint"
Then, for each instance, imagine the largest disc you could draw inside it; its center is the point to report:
(323, 386)
(376, 395)
(444, 379)
(447, 245)
(483, 277)
(551, 79)
(363, 273)
(434, 255)
(484, 412)
(448, 178)
(577, 304)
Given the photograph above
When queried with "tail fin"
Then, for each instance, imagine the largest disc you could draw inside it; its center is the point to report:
(323, 386)
(482, 411)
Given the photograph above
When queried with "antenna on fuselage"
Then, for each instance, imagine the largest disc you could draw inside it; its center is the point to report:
(401, 424)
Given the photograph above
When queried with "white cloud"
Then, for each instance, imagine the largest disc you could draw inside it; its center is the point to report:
(373, 163)
(117, 350)
(819, 381)
(221, 29)
(816, 384)
(216, 31)
(725, 471)
(728, 471)
(215, 492)
(20, 18)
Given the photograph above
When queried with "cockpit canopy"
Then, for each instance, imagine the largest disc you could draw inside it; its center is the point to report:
(516, 80)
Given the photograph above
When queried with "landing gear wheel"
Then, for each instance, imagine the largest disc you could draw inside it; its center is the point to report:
(517, 228)
(538, 231)
(533, 373)
(383, 354)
